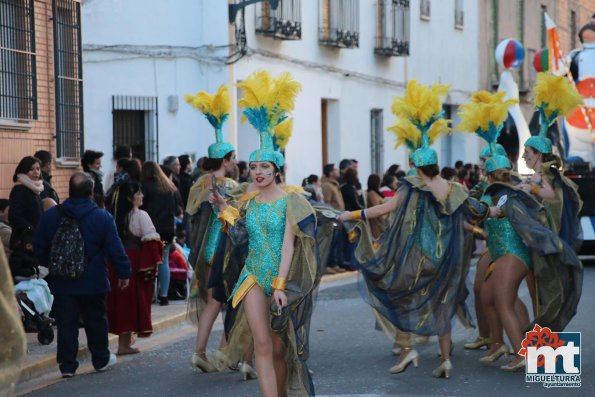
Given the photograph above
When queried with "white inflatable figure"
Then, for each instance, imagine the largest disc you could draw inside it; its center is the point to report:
(508, 85)
(580, 125)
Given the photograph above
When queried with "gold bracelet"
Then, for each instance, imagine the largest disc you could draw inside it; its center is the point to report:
(477, 230)
(535, 189)
(356, 215)
(279, 283)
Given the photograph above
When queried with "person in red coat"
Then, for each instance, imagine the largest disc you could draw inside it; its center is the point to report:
(129, 311)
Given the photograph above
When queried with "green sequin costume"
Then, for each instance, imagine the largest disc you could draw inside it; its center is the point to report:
(265, 223)
(503, 239)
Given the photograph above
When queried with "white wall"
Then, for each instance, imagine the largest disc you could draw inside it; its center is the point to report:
(150, 48)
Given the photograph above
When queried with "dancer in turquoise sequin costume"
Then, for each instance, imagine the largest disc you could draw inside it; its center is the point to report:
(206, 300)
(414, 278)
(281, 261)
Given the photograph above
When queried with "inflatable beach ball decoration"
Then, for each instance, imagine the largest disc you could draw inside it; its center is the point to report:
(541, 61)
(510, 54)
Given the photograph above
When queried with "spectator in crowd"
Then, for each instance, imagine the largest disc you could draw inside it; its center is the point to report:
(121, 152)
(184, 177)
(84, 297)
(458, 165)
(45, 160)
(463, 178)
(392, 170)
(91, 163)
(351, 197)
(388, 187)
(25, 197)
(244, 172)
(448, 174)
(344, 165)
(400, 175)
(161, 201)
(179, 271)
(129, 310)
(374, 197)
(330, 187)
(313, 186)
(198, 171)
(5, 229)
(171, 168)
(22, 260)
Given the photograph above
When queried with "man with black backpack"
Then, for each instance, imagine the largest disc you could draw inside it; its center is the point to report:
(74, 241)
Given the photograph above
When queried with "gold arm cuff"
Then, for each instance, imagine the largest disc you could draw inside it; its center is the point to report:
(477, 230)
(229, 215)
(535, 190)
(356, 215)
(279, 283)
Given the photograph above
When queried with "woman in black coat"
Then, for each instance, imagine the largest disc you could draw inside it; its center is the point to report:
(91, 163)
(25, 201)
(353, 201)
(161, 201)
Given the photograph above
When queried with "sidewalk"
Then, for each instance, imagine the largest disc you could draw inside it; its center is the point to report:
(41, 359)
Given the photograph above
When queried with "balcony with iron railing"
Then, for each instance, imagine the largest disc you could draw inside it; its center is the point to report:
(339, 23)
(283, 23)
(392, 29)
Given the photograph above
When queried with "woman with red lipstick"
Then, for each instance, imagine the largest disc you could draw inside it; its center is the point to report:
(273, 292)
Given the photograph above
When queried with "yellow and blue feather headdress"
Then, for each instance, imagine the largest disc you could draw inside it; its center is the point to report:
(267, 102)
(216, 108)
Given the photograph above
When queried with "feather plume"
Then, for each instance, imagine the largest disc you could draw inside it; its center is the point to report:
(215, 106)
(275, 95)
(421, 104)
(407, 134)
(283, 133)
(555, 95)
(484, 114)
(439, 128)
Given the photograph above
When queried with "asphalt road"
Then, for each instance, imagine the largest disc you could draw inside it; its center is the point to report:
(348, 358)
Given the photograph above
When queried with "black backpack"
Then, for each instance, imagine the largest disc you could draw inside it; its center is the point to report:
(67, 255)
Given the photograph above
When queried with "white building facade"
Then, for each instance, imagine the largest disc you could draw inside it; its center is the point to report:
(351, 56)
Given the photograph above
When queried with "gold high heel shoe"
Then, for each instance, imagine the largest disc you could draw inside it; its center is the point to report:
(478, 343)
(510, 367)
(443, 370)
(490, 358)
(202, 364)
(247, 371)
(410, 357)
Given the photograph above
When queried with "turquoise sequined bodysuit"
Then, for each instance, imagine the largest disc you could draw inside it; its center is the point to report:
(503, 239)
(213, 234)
(265, 223)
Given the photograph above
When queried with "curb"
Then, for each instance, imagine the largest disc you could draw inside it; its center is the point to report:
(47, 363)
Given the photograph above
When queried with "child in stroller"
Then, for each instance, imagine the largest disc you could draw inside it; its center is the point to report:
(32, 292)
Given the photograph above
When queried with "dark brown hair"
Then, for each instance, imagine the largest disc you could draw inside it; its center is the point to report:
(25, 166)
(430, 170)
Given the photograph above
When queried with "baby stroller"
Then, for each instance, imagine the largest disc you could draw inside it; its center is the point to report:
(33, 321)
(32, 292)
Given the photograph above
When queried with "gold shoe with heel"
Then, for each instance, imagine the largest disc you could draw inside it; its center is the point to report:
(443, 370)
(478, 343)
(510, 367)
(202, 364)
(411, 357)
(503, 350)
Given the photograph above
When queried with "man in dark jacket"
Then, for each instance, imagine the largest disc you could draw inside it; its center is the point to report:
(84, 296)
(46, 168)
